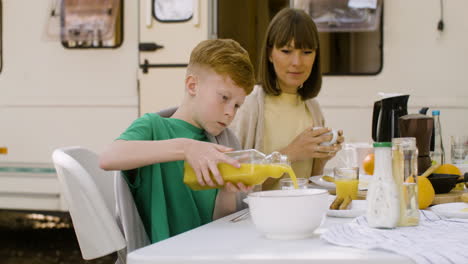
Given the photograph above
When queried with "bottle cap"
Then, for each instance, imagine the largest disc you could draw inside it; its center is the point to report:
(404, 141)
(382, 144)
(435, 112)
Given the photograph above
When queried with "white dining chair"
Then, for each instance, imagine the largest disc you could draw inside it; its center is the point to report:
(104, 223)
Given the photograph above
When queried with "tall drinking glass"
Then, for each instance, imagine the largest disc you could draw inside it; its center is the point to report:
(288, 183)
(459, 149)
(346, 181)
(405, 172)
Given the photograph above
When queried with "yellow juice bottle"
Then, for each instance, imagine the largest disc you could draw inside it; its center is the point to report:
(255, 169)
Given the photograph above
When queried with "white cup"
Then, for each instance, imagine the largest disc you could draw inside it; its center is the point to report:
(334, 134)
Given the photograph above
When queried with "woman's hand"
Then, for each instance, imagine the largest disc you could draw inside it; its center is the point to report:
(337, 145)
(204, 158)
(307, 145)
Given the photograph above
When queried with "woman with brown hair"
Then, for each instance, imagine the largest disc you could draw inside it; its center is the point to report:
(281, 112)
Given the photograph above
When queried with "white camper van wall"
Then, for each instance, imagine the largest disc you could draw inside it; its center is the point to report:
(82, 24)
(351, 36)
(1, 36)
(173, 10)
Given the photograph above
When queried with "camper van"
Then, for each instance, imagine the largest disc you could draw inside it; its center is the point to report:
(61, 85)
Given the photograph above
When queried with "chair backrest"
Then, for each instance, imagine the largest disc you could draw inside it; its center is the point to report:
(128, 217)
(89, 195)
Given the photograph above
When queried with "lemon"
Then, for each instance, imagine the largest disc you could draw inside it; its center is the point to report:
(448, 169)
(426, 193)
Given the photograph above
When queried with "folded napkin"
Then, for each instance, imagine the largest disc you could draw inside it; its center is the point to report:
(435, 240)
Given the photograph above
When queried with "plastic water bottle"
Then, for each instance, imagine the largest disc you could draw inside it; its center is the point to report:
(383, 195)
(438, 155)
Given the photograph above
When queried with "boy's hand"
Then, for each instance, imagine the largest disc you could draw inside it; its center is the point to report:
(204, 158)
(239, 187)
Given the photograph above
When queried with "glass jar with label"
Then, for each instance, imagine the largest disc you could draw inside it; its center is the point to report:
(405, 173)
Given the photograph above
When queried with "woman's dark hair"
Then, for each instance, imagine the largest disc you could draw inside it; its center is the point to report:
(291, 24)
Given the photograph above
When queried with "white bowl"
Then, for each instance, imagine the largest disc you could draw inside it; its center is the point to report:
(288, 214)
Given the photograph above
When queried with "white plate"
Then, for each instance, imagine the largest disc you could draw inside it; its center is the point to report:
(321, 182)
(358, 208)
(451, 210)
(363, 182)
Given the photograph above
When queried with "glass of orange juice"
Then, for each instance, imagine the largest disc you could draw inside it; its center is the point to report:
(346, 181)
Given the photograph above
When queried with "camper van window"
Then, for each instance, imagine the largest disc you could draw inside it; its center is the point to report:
(173, 10)
(93, 24)
(350, 34)
(344, 50)
(352, 53)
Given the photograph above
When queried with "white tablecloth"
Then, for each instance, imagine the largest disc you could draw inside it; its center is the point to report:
(225, 242)
(436, 240)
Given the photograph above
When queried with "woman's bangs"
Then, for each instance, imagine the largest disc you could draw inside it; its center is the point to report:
(302, 34)
(283, 36)
(305, 37)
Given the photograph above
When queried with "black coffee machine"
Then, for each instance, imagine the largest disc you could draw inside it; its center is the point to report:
(385, 117)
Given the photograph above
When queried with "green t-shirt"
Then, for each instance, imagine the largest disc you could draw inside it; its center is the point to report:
(166, 205)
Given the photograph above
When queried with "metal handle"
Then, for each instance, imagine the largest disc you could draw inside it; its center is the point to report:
(149, 46)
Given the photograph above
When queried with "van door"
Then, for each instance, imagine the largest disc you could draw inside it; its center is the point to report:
(167, 36)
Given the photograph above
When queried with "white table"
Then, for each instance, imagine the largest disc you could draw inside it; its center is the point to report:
(223, 242)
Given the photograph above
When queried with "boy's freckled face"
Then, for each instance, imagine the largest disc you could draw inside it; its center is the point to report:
(216, 102)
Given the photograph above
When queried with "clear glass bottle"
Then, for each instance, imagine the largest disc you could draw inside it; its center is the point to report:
(255, 168)
(438, 155)
(383, 205)
(405, 173)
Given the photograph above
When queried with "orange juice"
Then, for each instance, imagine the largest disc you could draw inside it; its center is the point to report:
(346, 188)
(249, 174)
